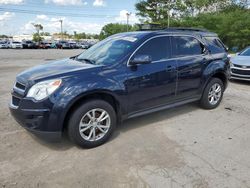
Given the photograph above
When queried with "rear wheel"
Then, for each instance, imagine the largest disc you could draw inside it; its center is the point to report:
(212, 94)
(92, 124)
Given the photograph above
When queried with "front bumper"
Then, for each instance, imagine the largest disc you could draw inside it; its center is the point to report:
(240, 74)
(35, 121)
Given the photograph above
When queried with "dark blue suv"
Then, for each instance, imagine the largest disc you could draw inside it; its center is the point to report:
(121, 77)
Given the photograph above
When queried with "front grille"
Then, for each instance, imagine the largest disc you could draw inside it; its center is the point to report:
(18, 93)
(15, 101)
(20, 86)
(242, 72)
(242, 66)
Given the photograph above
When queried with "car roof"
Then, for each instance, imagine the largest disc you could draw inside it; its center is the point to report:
(172, 31)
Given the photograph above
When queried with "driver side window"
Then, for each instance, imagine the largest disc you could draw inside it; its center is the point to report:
(157, 48)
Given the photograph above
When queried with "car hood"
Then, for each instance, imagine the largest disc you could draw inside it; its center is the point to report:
(241, 60)
(60, 68)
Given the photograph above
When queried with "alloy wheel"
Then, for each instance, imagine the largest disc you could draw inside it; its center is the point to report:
(94, 124)
(214, 94)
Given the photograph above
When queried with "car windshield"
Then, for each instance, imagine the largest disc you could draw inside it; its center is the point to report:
(109, 51)
(246, 52)
(16, 42)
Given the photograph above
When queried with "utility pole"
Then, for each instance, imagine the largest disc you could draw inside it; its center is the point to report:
(169, 14)
(61, 21)
(128, 14)
(168, 20)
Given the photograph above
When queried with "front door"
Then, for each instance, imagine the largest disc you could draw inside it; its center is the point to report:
(154, 84)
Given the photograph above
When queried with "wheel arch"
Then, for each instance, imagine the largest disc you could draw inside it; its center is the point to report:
(218, 74)
(79, 100)
(222, 76)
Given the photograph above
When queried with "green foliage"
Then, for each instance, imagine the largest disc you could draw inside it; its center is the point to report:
(37, 37)
(38, 27)
(45, 34)
(79, 36)
(230, 19)
(113, 28)
(232, 25)
(3, 36)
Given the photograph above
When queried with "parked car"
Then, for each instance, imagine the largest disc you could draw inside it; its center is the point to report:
(53, 45)
(79, 45)
(73, 45)
(124, 76)
(240, 65)
(85, 45)
(62, 45)
(15, 45)
(3, 45)
(44, 45)
(28, 44)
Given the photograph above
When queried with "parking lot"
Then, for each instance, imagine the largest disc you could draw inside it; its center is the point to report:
(182, 147)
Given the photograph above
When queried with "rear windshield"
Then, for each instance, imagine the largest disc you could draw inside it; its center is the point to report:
(215, 45)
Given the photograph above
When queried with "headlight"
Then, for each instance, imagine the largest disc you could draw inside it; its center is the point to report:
(44, 89)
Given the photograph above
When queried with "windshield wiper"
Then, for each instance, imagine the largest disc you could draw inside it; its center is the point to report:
(90, 61)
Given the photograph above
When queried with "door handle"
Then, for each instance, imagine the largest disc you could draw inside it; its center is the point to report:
(170, 68)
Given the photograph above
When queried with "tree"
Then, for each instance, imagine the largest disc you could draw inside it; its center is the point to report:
(78, 36)
(37, 38)
(113, 28)
(45, 34)
(38, 27)
(4, 36)
(230, 19)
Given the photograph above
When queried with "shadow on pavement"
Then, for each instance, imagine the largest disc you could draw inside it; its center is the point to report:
(128, 125)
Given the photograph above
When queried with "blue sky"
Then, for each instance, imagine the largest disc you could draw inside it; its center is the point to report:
(17, 16)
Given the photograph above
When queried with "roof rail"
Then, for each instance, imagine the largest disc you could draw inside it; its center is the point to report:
(185, 29)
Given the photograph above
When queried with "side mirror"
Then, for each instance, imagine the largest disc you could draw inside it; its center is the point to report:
(238, 53)
(140, 59)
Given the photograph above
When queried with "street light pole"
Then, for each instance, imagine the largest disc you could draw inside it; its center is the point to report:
(170, 13)
(128, 14)
(168, 19)
(61, 21)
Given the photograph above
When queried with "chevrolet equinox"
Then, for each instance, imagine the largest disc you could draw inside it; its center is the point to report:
(124, 76)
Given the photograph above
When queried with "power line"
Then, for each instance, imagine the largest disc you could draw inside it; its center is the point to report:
(81, 8)
(35, 12)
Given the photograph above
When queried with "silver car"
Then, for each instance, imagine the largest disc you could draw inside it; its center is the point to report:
(15, 45)
(240, 65)
(3, 45)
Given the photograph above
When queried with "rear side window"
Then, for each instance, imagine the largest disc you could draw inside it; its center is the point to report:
(215, 45)
(158, 48)
(187, 46)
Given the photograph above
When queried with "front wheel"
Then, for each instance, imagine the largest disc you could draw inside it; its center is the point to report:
(92, 123)
(212, 94)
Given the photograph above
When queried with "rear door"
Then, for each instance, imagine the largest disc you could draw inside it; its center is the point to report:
(191, 57)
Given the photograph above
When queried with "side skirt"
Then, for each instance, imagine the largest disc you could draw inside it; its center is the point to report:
(159, 108)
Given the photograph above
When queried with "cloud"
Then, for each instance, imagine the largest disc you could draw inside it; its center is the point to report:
(42, 17)
(123, 17)
(67, 2)
(5, 26)
(6, 16)
(99, 3)
(14, 2)
(53, 25)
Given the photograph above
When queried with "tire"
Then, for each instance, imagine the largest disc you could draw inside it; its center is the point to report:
(82, 118)
(212, 89)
